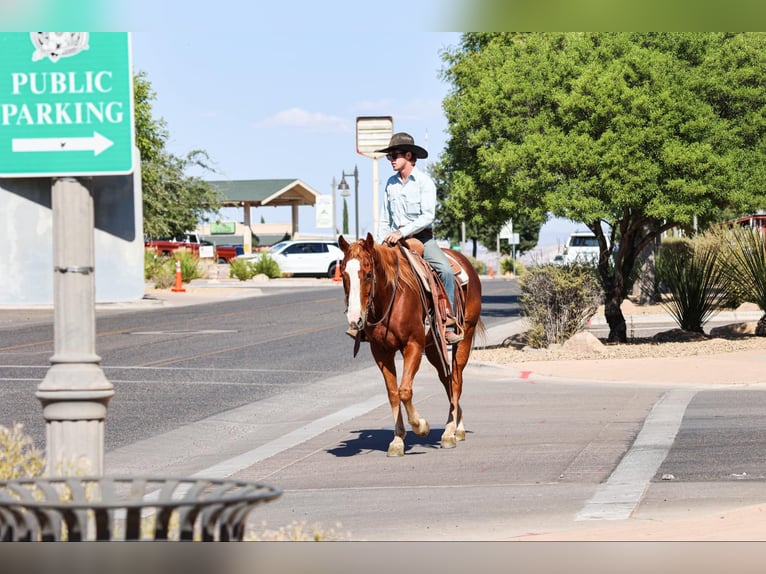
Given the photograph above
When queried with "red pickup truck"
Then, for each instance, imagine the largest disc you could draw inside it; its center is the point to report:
(198, 246)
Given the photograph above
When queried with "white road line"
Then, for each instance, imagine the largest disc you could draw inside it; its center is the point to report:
(618, 496)
(233, 465)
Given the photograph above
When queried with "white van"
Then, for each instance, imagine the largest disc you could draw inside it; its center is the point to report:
(581, 247)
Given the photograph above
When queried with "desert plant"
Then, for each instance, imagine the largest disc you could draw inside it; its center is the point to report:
(744, 264)
(241, 269)
(689, 270)
(509, 265)
(558, 301)
(152, 263)
(19, 458)
(164, 275)
(294, 532)
(479, 266)
(190, 267)
(267, 266)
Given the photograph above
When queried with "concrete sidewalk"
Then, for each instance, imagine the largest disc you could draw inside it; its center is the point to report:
(736, 368)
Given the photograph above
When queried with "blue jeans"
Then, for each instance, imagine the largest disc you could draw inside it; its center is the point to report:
(438, 260)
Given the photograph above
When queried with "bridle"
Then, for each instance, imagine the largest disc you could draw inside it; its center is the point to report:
(371, 298)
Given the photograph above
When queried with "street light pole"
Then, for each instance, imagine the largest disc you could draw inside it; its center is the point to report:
(343, 187)
(334, 209)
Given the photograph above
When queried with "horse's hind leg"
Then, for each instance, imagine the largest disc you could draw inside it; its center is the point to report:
(387, 366)
(460, 360)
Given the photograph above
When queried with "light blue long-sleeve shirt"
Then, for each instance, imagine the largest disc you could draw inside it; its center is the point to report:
(409, 206)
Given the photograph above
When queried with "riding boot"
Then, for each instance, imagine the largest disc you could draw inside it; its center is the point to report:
(353, 332)
(453, 333)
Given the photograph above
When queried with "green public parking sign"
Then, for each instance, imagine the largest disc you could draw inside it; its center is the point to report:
(66, 104)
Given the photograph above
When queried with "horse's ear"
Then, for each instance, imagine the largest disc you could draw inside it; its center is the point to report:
(369, 241)
(343, 244)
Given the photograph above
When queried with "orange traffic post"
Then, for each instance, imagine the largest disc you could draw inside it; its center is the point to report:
(179, 288)
(491, 273)
(336, 278)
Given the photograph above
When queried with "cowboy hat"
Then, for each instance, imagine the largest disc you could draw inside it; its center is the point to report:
(404, 142)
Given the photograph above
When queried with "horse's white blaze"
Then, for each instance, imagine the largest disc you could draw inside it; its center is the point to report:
(354, 312)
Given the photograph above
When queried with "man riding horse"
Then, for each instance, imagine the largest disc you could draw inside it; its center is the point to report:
(408, 211)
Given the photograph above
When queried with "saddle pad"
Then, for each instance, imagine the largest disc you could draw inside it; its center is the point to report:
(421, 267)
(460, 274)
(423, 270)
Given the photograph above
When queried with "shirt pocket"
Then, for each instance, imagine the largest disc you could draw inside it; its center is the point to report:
(412, 204)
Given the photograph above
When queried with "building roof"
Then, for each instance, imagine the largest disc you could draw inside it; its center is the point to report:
(265, 192)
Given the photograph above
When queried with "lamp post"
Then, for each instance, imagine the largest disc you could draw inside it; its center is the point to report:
(334, 209)
(343, 187)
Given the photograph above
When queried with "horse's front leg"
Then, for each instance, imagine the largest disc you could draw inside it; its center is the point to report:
(387, 366)
(413, 354)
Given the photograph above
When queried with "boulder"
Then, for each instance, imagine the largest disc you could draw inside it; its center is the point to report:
(584, 342)
(733, 330)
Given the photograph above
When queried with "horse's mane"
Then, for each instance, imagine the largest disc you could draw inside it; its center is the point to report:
(388, 257)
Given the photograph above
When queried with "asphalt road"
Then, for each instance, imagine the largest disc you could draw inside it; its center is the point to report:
(265, 388)
(171, 366)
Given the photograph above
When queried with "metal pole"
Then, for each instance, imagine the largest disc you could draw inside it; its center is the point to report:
(334, 209)
(75, 392)
(356, 200)
(375, 204)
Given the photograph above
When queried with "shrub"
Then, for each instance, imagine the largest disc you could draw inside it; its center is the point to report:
(507, 266)
(165, 274)
(267, 266)
(152, 263)
(690, 271)
(744, 265)
(18, 456)
(190, 265)
(479, 266)
(241, 269)
(558, 301)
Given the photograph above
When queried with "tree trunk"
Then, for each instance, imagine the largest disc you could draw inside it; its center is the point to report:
(618, 332)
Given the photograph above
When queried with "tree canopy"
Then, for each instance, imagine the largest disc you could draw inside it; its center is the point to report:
(642, 132)
(173, 201)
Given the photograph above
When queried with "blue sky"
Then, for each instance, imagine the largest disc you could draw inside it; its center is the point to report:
(280, 99)
(284, 104)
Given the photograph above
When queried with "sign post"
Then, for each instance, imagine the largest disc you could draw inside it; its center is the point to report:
(373, 133)
(66, 112)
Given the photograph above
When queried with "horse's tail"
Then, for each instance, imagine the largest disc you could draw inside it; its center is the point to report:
(481, 332)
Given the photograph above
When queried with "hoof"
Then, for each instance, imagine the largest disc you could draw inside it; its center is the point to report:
(449, 442)
(396, 448)
(460, 434)
(423, 429)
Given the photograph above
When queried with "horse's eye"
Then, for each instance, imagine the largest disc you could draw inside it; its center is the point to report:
(368, 276)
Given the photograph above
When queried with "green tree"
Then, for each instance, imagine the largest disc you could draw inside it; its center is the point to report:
(643, 132)
(173, 201)
(478, 227)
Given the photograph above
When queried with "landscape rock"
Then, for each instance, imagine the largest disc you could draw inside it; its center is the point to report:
(734, 329)
(679, 336)
(584, 342)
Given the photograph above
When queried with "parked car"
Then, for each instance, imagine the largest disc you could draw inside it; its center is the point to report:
(582, 247)
(558, 260)
(303, 257)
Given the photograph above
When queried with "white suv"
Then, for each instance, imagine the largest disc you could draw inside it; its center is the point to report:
(303, 257)
(582, 247)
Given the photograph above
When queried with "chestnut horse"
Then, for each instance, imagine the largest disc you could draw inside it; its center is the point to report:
(384, 300)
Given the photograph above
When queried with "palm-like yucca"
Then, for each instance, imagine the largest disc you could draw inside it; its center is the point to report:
(745, 267)
(698, 286)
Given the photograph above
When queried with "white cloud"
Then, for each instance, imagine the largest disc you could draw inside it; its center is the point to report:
(300, 118)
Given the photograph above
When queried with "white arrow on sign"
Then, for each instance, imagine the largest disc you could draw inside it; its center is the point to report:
(96, 144)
